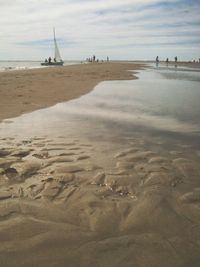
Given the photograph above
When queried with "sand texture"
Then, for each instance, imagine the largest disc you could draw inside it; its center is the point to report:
(25, 91)
(64, 203)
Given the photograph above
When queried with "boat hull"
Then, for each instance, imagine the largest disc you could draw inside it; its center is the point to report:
(60, 63)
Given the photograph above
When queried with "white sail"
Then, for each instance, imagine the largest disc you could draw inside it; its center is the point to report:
(57, 53)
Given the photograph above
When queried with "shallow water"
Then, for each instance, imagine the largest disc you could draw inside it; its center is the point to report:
(154, 105)
(24, 65)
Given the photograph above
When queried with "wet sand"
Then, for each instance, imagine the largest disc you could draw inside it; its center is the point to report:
(106, 202)
(194, 65)
(69, 202)
(25, 91)
(185, 64)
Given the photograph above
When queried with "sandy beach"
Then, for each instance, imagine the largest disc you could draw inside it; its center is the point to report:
(25, 91)
(106, 201)
(99, 133)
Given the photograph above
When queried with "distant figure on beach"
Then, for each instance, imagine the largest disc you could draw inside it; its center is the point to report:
(49, 60)
(107, 59)
(93, 59)
(157, 61)
(54, 59)
(175, 59)
(167, 61)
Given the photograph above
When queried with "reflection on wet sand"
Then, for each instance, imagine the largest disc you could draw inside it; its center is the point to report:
(89, 192)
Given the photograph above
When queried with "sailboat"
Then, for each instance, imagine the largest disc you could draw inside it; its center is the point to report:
(57, 61)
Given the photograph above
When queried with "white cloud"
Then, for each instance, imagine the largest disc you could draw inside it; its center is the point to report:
(99, 26)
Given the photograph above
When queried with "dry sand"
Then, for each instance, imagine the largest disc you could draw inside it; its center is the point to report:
(80, 203)
(25, 91)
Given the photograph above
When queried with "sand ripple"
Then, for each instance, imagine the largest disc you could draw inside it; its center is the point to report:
(65, 201)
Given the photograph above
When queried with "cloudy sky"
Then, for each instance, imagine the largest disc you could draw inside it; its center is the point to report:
(120, 29)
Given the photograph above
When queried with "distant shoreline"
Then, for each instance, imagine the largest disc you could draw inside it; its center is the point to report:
(12, 65)
(18, 65)
(182, 64)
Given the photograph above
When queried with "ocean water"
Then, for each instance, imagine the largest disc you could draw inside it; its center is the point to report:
(23, 65)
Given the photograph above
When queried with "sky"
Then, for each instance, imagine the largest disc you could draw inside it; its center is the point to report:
(120, 29)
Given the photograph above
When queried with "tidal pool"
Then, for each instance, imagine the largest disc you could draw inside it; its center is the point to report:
(162, 103)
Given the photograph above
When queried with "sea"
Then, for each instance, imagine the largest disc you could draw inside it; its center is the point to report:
(24, 65)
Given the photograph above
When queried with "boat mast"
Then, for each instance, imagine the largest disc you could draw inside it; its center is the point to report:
(57, 53)
(54, 35)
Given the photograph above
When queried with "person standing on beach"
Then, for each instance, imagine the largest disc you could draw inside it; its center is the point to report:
(157, 61)
(175, 59)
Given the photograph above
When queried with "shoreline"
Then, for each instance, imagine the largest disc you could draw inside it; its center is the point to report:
(28, 90)
(195, 65)
(28, 65)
